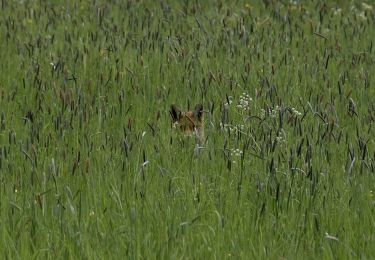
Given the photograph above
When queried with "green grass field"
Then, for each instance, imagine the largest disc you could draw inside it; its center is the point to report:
(91, 168)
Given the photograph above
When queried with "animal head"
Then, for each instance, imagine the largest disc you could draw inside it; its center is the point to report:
(190, 122)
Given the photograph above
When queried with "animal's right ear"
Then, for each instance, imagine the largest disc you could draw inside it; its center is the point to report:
(198, 111)
(175, 113)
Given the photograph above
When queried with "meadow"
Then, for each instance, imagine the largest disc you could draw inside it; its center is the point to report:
(91, 168)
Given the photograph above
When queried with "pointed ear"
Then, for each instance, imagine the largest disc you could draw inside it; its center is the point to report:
(175, 113)
(198, 111)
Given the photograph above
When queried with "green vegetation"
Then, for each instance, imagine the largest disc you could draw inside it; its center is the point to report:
(90, 167)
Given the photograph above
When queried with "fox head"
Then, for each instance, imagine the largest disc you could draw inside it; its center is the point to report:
(190, 122)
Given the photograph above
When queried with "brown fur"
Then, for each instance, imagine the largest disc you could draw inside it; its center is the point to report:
(190, 122)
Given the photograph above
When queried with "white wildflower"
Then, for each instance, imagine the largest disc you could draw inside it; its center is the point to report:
(230, 100)
(236, 152)
(262, 113)
(362, 15)
(244, 101)
(296, 112)
(366, 6)
(281, 136)
(274, 111)
(337, 11)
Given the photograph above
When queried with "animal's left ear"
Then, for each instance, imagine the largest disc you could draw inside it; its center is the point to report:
(175, 113)
(198, 111)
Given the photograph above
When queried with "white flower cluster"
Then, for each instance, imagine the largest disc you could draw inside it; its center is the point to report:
(262, 113)
(236, 152)
(280, 139)
(367, 7)
(230, 100)
(281, 136)
(272, 112)
(362, 13)
(233, 128)
(337, 11)
(244, 102)
(296, 112)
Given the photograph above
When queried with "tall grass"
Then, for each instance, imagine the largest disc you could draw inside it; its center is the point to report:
(89, 165)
